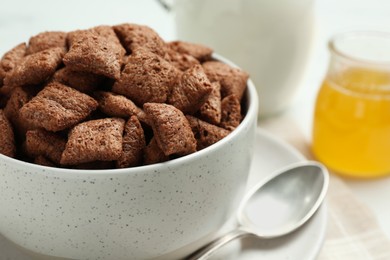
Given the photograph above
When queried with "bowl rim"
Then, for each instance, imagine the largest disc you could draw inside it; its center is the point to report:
(251, 114)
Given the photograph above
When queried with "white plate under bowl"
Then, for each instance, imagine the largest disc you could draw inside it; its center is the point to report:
(270, 155)
(305, 243)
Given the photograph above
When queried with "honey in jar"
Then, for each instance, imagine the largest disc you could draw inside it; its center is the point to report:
(351, 131)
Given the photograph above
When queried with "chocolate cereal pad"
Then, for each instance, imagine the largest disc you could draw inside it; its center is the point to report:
(114, 97)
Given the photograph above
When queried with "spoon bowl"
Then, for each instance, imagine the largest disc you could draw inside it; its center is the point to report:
(288, 199)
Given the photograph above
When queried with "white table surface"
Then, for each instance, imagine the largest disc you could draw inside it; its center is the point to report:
(21, 19)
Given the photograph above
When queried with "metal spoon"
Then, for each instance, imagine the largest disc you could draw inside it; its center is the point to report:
(287, 199)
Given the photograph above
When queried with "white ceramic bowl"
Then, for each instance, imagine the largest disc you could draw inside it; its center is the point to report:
(135, 213)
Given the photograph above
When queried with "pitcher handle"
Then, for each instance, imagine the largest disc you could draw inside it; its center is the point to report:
(167, 5)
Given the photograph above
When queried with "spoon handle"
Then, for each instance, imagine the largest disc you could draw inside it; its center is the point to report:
(206, 251)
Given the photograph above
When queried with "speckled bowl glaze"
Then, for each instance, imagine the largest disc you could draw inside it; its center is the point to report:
(136, 213)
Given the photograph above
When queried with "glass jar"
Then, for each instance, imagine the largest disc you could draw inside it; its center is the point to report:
(351, 130)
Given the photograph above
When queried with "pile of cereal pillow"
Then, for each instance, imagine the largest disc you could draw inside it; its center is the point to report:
(114, 97)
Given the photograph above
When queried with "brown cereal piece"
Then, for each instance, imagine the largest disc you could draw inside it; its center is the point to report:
(73, 36)
(13, 57)
(90, 52)
(134, 36)
(181, 61)
(82, 81)
(116, 105)
(210, 111)
(146, 78)
(57, 107)
(108, 33)
(133, 144)
(231, 112)
(42, 160)
(233, 80)
(191, 91)
(35, 68)
(171, 129)
(198, 51)
(153, 153)
(18, 98)
(40, 142)
(7, 139)
(46, 40)
(104, 31)
(7, 63)
(206, 134)
(95, 140)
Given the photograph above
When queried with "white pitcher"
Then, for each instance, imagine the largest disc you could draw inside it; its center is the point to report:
(270, 39)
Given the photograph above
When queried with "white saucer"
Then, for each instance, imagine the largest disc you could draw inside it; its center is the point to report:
(270, 155)
(305, 243)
